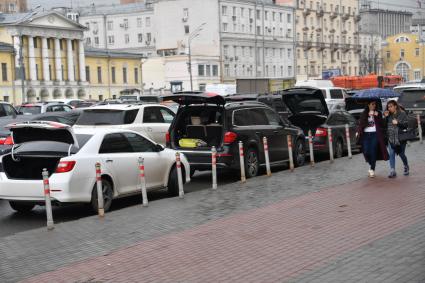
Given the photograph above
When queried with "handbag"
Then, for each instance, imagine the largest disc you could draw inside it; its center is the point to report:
(407, 134)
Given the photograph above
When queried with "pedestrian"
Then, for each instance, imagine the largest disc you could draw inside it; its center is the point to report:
(396, 119)
(370, 136)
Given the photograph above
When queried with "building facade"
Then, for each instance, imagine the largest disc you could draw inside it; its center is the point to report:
(45, 58)
(13, 6)
(403, 54)
(370, 55)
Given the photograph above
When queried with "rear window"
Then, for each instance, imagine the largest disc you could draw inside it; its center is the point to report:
(412, 99)
(98, 117)
(336, 94)
(149, 99)
(26, 109)
(52, 148)
(250, 117)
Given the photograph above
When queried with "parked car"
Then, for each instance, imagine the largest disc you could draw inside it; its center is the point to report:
(333, 95)
(68, 101)
(152, 120)
(6, 109)
(309, 111)
(42, 107)
(70, 156)
(205, 120)
(140, 98)
(413, 101)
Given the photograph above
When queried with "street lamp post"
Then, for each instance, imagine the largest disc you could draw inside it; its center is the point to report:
(192, 36)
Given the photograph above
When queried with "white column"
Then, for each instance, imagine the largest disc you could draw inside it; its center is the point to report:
(17, 46)
(31, 54)
(45, 58)
(58, 62)
(82, 60)
(70, 58)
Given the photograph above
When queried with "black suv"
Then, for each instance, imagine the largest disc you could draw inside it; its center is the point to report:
(207, 118)
(413, 101)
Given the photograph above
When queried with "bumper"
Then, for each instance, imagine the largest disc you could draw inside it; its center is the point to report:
(201, 160)
(61, 189)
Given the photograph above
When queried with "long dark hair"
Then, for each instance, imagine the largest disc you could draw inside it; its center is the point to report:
(397, 106)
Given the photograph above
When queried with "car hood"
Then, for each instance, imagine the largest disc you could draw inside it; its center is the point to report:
(305, 100)
(42, 131)
(195, 98)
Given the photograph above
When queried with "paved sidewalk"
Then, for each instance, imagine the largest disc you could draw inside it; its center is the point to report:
(299, 226)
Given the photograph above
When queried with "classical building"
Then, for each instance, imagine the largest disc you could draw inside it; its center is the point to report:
(13, 6)
(403, 54)
(47, 59)
(327, 37)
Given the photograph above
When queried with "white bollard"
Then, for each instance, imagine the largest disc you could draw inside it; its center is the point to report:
(214, 167)
(291, 156)
(418, 117)
(142, 180)
(310, 146)
(266, 154)
(242, 162)
(179, 175)
(49, 214)
(347, 136)
(331, 146)
(101, 210)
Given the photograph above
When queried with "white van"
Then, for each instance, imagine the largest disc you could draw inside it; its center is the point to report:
(334, 96)
(221, 89)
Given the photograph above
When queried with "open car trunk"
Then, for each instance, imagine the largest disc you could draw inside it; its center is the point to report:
(308, 121)
(28, 168)
(198, 127)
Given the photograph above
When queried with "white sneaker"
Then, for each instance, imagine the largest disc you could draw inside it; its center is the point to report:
(371, 173)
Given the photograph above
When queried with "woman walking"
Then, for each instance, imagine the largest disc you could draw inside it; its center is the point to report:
(370, 135)
(396, 119)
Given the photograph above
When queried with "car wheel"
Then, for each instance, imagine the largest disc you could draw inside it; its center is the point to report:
(21, 207)
(339, 149)
(108, 195)
(299, 154)
(251, 163)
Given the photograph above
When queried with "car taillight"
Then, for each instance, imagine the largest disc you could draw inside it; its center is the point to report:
(167, 137)
(8, 141)
(2, 140)
(321, 132)
(230, 137)
(65, 166)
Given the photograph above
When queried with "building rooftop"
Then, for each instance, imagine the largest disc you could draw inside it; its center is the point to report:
(99, 52)
(113, 9)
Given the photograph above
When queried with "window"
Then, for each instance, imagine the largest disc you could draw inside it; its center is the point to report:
(111, 39)
(4, 71)
(289, 18)
(250, 117)
(148, 21)
(416, 52)
(224, 10)
(186, 29)
(136, 75)
(35, 42)
(99, 74)
(272, 117)
(9, 109)
(124, 75)
(215, 70)
(152, 115)
(139, 22)
(336, 94)
(139, 143)
(127, 38)
(113, 77)
(140, 37)
(402, 53)
(186, 13)
(96, 40)
(87, 73)
(417, 75)
(126, 23)
(110, 25)
(201, 70)
(148, 38)
(167, 115)
(115, 143)
(225, 26)
(208, 70)
(388, 54)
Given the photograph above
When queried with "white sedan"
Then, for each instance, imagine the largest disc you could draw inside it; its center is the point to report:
(70, 157)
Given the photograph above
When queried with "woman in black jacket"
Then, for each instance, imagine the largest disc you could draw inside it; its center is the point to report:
(396, 119)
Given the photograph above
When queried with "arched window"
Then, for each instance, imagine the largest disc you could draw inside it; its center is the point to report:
(402, 39)
(402, 69)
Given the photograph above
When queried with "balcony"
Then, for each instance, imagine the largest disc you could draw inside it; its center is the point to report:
(319, 29)
(357, 18)
(332, 30)
(307, 45)
(345, 16)
(334, 46)
(333, 15)
(320, 13)
(357, 48)
(344, 31)
(305, 28)
(321, 45)
(345, 47)
(306, 12)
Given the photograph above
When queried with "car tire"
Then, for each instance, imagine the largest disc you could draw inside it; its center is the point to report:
(251, 163)
(108, 195)
(339, 149)
(21, 207)
(299, 154)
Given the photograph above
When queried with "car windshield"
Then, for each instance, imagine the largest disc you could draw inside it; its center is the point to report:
(51, 148)
(96, 117)
(413, 99)
(30, 109)
(149, 99)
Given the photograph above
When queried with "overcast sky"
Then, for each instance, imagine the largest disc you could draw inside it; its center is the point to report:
(390, 4)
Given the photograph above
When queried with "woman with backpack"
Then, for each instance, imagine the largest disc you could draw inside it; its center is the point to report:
(396, 119)
(370, 136)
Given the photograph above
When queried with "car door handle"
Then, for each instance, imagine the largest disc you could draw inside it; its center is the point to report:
(109, 160)
(149, 129)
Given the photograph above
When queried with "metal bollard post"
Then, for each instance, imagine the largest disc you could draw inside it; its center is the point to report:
(418, 117)
(214, 167)
(291, 156)
(101, 210)
(179, 174)
(49, 214)
(331, 147)
(347, 136)
(310, 145)
(142, 180)
(242, 162)
(266, 154)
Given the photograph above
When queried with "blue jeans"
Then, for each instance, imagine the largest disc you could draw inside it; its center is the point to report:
(391, 150)
(370, 147)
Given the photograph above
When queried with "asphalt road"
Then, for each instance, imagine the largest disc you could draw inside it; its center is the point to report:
(12, 222)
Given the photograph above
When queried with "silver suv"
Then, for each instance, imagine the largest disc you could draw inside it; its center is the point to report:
(43, 107)
(6, 109)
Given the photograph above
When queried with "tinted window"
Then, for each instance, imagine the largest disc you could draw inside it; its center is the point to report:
(336, 94)
(241, 117)
(152, 115)
(167, 115)
(412, 99)
(279, 105)
(2, 111)
(107, 117)
(337, 118)
(115, 143)
(139, 143)
(9, 110)
(258, 117)
(25, 109)
(272, 117)
(55, 108)
(67, 108)
(149, 99)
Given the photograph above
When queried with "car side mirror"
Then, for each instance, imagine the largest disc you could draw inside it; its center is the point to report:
(158, 147)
